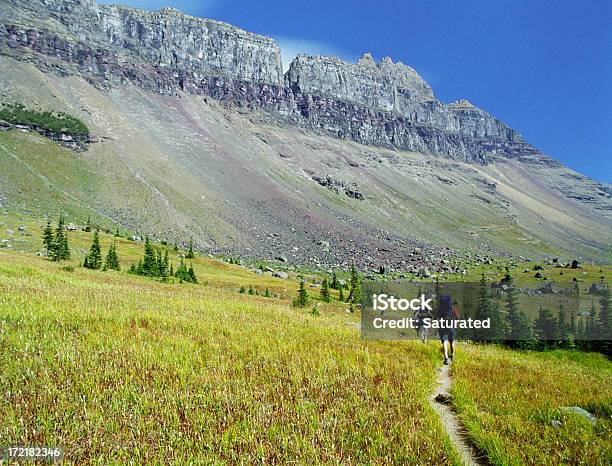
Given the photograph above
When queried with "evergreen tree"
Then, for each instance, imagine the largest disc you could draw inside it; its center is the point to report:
(176, 248)
(251, 291)
(341, 294)
(117, 234)
(487, 309)
(190, 254)
(60, 250)
(185, 274)
(546, 328)
(335, 284)
(94, 256)
(159, 264)
(325, 294)
(112, 259)
(47, 238)
(242, 290)
(88, 224)
(604, 318)
(354, 297)
(267, 294)
(591, 332)
(302, 298)
(164, 266)
(580, 331)
(149, 262)
(192, 275)
(604, 345)
(519, 327)
(562, 326)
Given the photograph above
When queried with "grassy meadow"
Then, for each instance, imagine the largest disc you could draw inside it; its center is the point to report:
(119, 368)
(508, 400)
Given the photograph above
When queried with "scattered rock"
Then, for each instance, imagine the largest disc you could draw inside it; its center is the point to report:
(443, 398)
(281, 258)
(597, 288)
(280, 274)
(547, 288)
(575, 264)
(324, 245)
(556, 424)
(581, 412)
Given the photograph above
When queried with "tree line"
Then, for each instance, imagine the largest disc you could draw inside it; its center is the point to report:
(551, 330)
(353, 287)
(154, 264)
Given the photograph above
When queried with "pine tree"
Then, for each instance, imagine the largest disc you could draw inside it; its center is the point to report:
(487, 309)
(94, 256)
(112, 259)
(47, 238)
(117, 234)
(546, 328)
(341, 295)
(251, 291)
(562, 326)
(334, 285)
(267, 294)
(88, 225)
(149, 262)
(591, 330)
(192, 275)
(190, 254)
(519, 327)
(159, 264)
(60, 250)
(242, 290)
(604, 345)
(354, 297)
(302, 298)
(604, 318)
(181, 271)
(325, 294)
(164, 270)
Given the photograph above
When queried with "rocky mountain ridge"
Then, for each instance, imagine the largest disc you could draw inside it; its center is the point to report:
(382, 104)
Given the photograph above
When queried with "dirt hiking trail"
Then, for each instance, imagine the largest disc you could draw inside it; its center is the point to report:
(440, 402)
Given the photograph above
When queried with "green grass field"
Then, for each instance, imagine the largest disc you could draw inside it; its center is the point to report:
(508, 400)
(119, 368)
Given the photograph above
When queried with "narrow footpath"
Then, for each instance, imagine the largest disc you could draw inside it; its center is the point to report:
(440, 402)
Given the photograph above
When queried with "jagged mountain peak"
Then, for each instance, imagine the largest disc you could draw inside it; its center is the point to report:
(386, 104)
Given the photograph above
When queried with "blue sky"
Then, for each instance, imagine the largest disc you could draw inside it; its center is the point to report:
(543, 67)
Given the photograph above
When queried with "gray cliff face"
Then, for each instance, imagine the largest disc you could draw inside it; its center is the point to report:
(382, 104)
(386, 86)
(167, 38)
(391, 87)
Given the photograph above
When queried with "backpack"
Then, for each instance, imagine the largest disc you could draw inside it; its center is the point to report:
(446, 310)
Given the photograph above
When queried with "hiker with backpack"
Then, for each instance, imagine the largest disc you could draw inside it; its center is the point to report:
(447, 313)
(422, 329)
